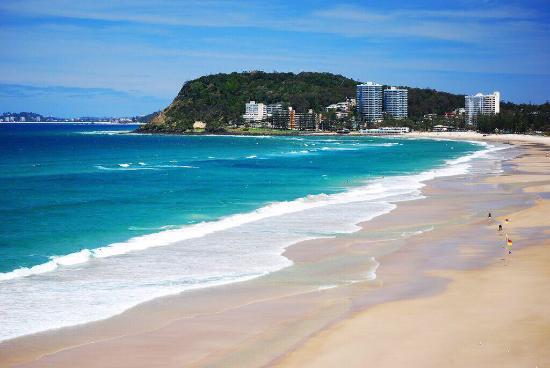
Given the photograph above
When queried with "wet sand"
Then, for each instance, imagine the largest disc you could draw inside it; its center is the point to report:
(439, 279)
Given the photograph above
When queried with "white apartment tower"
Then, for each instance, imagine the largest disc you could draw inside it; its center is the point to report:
(369, 101)
(396, 102)
(481, 104)
(254, 112)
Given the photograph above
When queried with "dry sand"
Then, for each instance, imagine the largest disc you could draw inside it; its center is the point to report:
(502, 138)
(498, 316)
(443, 295)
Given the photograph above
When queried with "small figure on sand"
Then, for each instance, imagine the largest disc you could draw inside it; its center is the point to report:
(489, 215)
(508, 244)
(499, 227)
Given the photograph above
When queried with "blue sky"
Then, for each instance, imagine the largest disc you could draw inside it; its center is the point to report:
(128, 57)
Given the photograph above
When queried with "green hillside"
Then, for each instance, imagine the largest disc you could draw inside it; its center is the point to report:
(219, 99)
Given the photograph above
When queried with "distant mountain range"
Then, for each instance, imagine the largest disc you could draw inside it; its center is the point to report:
(34, 117)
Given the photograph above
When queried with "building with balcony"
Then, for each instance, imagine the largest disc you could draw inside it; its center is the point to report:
(481, 104)
(272, 108)
(254, 112)
(396, 102)
(369, 101)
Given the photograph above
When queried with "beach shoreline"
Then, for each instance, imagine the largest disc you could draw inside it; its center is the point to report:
(173, 322)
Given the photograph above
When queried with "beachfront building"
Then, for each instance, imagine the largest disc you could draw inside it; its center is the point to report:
(290, 119)
(481, 104)
(254, 112)
(272, 108)
(284, 119)
(386, 131)
(306, 121)
(442, 128)
(396, 102)
(369, 101)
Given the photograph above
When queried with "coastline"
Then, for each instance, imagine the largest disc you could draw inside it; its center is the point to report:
(286, 296)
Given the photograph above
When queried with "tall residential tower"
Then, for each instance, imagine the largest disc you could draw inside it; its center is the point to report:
(369, 101)
(396, 102)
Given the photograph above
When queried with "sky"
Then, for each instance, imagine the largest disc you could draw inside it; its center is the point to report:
(72, 58)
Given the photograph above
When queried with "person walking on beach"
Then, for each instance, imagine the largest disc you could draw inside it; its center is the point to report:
(499, 227)
(508, 244)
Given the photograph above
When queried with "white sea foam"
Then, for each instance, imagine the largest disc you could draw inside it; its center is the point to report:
(165, 227)
(369, 275)
(105, 132)
(326, 287)
(407, 234)
(174, 167)
(123, 168)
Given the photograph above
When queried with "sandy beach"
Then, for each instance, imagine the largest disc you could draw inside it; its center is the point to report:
(429, 284)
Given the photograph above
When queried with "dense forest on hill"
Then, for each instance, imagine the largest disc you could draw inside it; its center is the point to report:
(424, 101)
(219, 99)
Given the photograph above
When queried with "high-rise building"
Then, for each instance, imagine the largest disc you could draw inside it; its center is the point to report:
(254, 112)
(369, 101)
(396, 102)
(481, 104)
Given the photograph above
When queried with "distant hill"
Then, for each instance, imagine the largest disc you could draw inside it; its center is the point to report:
(146, 118)
(34, 117)
(219, 99)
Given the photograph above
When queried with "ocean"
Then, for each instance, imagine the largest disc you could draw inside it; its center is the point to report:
(95, 219)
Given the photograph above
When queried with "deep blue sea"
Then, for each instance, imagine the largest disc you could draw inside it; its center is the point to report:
(95, 219)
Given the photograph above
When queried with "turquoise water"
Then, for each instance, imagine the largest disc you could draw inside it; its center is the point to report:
(114, 204)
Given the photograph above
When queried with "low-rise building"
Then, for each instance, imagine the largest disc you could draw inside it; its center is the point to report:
(344, 106)
(199, 125)
(442, 128)
(306, 121)
(386, 131)
(284, 119)
(254, 112)
(290, 119)
(271, 108)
